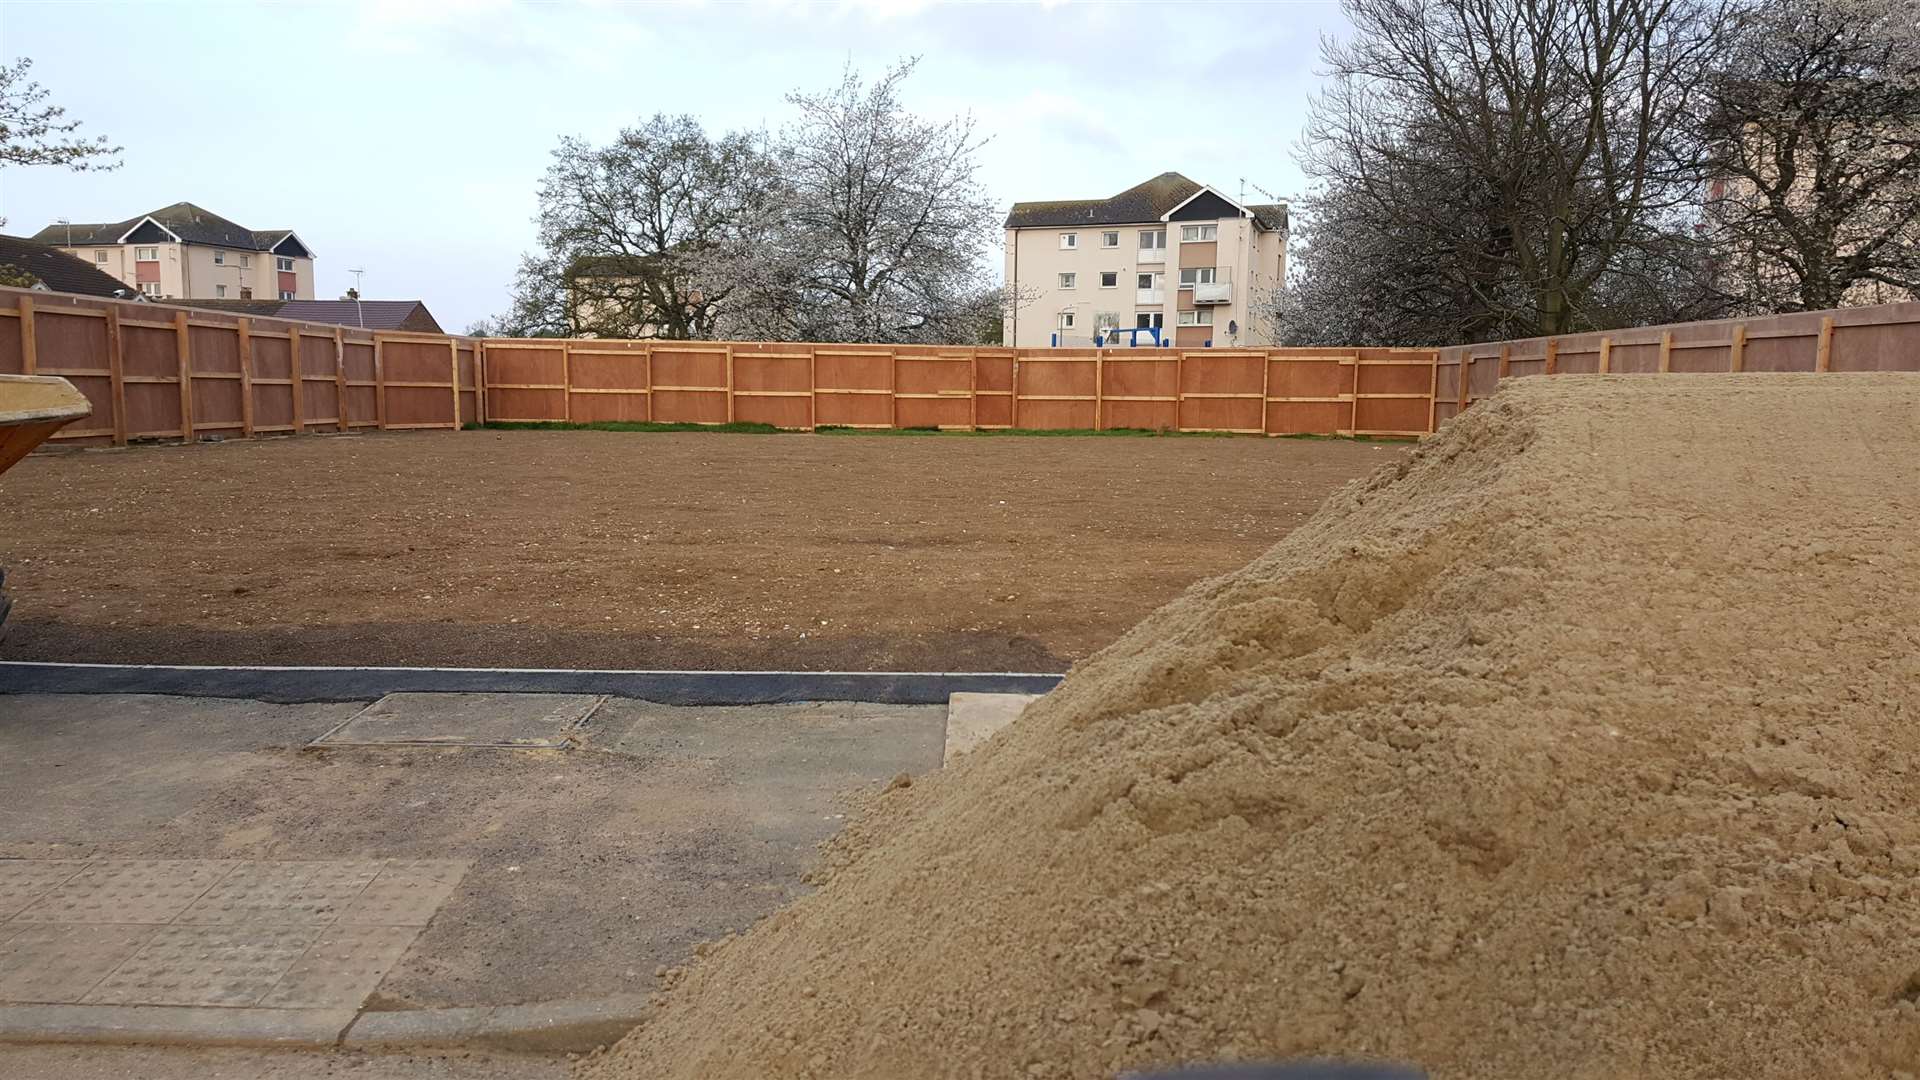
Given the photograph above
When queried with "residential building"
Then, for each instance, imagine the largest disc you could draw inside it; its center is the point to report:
(183, 252)
(409, 315)
(1169, 254)
(29, 264)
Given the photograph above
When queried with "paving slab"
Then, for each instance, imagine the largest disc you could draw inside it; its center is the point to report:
(128, 891)
(63, 962)
(973, 718)
(172, 1024)
(511, 721)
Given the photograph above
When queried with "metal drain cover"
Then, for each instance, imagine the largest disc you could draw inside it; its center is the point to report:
(509, 721)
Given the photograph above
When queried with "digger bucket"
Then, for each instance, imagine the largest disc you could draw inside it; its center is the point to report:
(32, 408)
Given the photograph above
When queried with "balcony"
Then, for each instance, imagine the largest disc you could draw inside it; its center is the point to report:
(1213, 292)
(1143, 297)
(1153, 255)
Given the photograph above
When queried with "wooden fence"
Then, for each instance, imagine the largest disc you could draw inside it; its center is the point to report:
(1885, 337)
(1250, 391)
(157, 372)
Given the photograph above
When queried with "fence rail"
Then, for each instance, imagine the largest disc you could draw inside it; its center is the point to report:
(160, 372)
(157, 372)
(1885, 337)
(808, 386)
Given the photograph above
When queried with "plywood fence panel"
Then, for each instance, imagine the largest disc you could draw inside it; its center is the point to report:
(74, 347)
(12, 361)
(1877, 347)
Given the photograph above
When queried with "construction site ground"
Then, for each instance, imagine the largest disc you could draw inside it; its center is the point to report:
(578, 549)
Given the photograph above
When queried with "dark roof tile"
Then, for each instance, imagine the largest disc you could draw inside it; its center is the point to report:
(58, 270)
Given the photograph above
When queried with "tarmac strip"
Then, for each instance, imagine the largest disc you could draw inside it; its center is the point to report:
(294, 685)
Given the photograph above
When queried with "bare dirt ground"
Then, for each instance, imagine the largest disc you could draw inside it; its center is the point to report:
(606, 549)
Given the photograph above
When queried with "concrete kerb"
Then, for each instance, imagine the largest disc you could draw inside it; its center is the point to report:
(543, 1027)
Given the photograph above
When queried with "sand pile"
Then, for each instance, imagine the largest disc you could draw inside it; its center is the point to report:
(1584, 743)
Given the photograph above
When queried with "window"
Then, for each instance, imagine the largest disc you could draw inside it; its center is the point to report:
(1203, 275)
(146, 254)
(1067, 281)
(1069, 241)
(1066, 320)
(1194, 233)
(286, 294)
(1110, 239)
(1152, 238)
(1106, 320)
(246, 261)
(1147, 320)
(219, 258)
(150, 288)
(219, 291)
(1143, 281)
(1109, 279)
(246, 293)
(100, 257)
(1202, 317)
(283, 263)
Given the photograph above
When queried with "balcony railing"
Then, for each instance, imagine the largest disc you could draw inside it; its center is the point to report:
(1153, 255)
(1213, 292)
(1149, 296)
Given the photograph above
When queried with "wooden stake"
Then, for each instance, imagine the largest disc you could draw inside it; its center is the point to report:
(1666, 351)
(453, 358)
(183, 353)
(116, 373)
(379, 383)
(1823, 355)
(1737, 352)
(29, 346)
(1606, 355)
(244, 328)
(1553, 356)
(339, 380)
(299, 387)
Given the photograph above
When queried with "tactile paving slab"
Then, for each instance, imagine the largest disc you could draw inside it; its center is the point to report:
(514, 721)
(22, 881)
(282, 893)
(210, 933)
(56, 962)
(406, 893)
(205, 965)
(341, 968)
(127, 891)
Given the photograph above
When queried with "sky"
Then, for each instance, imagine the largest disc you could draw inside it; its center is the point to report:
(408, 137)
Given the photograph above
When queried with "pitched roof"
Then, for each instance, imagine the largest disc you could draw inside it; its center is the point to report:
(58, 270)
(410, 315)
(1272, 215)
(1143, 202)
(192, 224)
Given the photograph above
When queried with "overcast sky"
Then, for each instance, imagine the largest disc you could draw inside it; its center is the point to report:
(407, 136)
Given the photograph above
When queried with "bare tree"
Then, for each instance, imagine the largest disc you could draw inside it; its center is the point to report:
(882, 226)
(1813, 137)
(644, 237)
(1526, 147)
(33, 133)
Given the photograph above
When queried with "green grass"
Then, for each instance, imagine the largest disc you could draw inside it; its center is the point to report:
(742, 428)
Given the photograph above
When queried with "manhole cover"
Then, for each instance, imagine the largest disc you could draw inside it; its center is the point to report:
(512, 721)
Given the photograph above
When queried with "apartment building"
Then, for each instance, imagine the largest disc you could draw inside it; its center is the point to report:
(1170, 255)
(184, 252)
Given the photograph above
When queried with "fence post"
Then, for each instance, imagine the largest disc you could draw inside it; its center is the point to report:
(1433, 396)
(1666, 351)
(973, 388)
(1606, 355)
(340, 381)
(1823, 355)
(1353, 400)
(566, 383)
(1506, 364)
(729, 382)
(1737, 352)
(1463, 372)
(1013, 398)
(244, 328)
(480, 381)
(379, 382)
(646, 355)
(29, 345)
(1099, 389)
(183, 353)
(1179, 387)
(299, 387)
(1553, 356)
(453, 366)
(893, 388)
(117, 375)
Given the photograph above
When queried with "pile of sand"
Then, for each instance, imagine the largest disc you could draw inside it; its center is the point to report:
(1583, 743)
